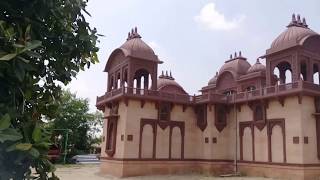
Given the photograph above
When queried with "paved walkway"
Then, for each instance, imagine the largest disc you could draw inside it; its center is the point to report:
(90, 172)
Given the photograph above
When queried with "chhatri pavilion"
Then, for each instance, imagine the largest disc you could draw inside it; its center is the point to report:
(260, 120)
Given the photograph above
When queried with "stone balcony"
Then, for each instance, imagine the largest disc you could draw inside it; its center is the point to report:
(282, 90)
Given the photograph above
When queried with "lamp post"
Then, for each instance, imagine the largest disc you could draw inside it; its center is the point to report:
(65, 142)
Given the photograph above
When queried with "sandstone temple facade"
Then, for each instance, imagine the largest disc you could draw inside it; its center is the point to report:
(267, 117)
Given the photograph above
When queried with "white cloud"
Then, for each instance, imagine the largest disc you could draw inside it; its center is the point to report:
(210, 18)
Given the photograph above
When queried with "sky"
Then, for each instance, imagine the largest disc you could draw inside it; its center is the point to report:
(193, 38)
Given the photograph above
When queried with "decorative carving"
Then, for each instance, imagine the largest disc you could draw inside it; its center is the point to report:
(164, 111)
(259, 113)
(154, 123)
(201, 113)
(270, 124)
(242, 126)
(220, 116)
(111, 135)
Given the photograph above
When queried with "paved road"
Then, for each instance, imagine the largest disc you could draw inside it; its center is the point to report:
(90, 172)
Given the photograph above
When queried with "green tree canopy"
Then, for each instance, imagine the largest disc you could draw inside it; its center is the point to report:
(42, 42)
(73, 113)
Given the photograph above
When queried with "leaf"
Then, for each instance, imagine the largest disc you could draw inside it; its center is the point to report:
(34, 152)
(11, 148)
(27, 33)
(8, 57)
(32, 45)
(45, 145)
(18, 45)
(36, 134)
(23, 146)
(5, 122)
(9, 135)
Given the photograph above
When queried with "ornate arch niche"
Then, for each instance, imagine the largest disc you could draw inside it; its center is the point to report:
(271, 124)
(164, 111)
(112, 129)
(201, 113)
(220, 120)
(259, 114)
(242, 127)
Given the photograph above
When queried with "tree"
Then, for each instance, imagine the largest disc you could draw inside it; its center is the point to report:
(73, 113)
(42, 42)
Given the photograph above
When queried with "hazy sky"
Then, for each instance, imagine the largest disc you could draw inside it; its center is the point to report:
(193, 38)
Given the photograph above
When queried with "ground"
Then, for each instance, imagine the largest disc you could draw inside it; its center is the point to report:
(91, 172)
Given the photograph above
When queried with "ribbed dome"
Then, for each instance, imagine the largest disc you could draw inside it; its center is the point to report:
(213, 80)
(135, 47)
(237, 66)
(296, 32)
(257, 67)
(168, 84)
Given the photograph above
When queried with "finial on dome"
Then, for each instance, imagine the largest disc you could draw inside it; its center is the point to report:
(240, 54)
(258, 61)
(299, 20)
(162, 75)
(304, 22)
(294, 20)
(217, 73)
(235, 55)
(133, 33)
(166, 73)
(230, 56)
(170, 74)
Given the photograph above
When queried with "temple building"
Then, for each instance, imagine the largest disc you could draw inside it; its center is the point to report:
(261, 120)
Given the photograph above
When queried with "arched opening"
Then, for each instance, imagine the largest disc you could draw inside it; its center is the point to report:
(150, 81)
(276, 73)
(142, 85)
(303, 71)
(141, 76)
(285, 72)
(134, 86)
(316, 75)
(250, 88)
(118, 85)
(125, 80)
(111, 84)
(288, 76)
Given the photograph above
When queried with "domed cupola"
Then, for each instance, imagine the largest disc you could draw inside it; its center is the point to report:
(237, 65)
(257, 67)
(295, 34)
(213, 80)
(166, 83)
(137, 48)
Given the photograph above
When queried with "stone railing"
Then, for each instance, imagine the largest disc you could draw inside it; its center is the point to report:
(145, 94)
(266, 92)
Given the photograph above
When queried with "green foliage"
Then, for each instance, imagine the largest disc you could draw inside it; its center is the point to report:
(73, 113)
(42, 42)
